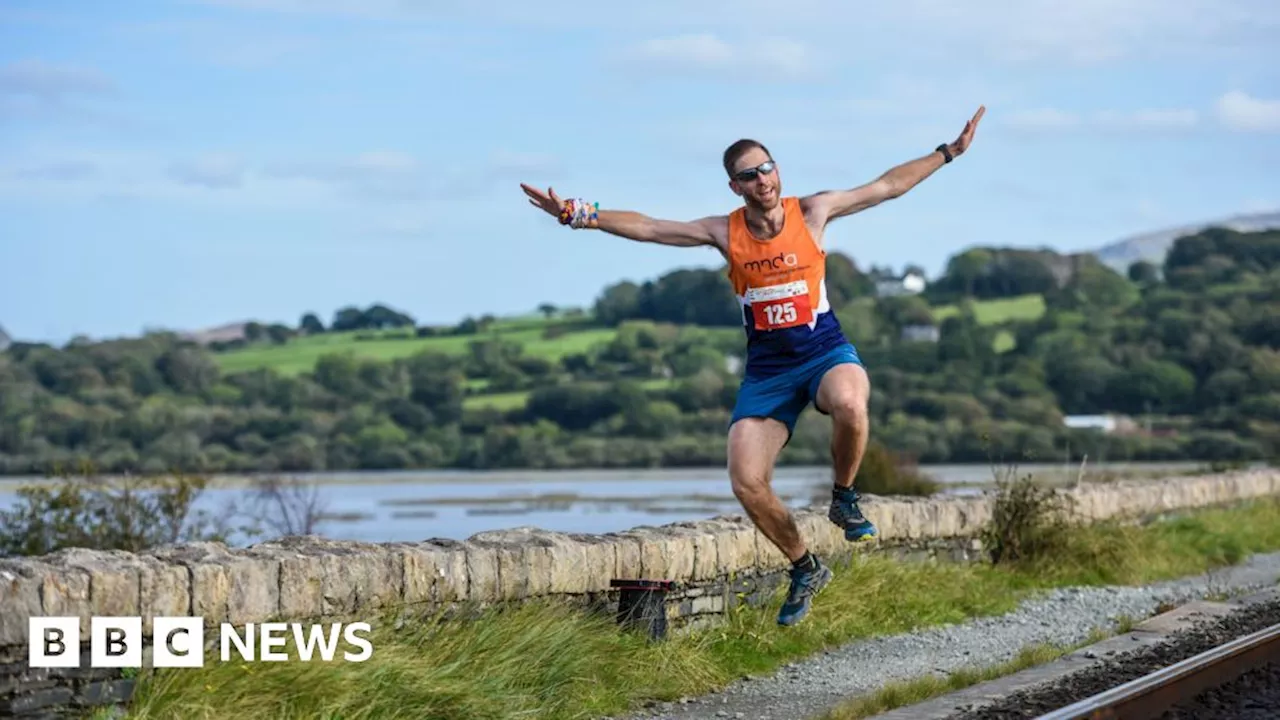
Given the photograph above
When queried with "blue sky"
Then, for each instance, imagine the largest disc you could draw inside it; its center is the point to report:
(188, 163)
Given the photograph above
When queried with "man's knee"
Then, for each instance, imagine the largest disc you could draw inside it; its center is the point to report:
(849, 408)
(750, 488)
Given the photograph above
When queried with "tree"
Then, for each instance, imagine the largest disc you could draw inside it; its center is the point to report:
(844, 281)
(548, 310)
(1144, 272)
(347, 319)
(311, 324)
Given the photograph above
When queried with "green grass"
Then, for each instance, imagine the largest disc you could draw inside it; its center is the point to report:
(300, 355)
(994, 312)
(544, 661)
(497, 401)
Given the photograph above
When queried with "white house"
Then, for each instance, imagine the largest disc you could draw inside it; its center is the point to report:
(909, 284)
(1106, 424)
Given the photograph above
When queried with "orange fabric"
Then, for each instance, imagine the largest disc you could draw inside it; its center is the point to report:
(780, 279)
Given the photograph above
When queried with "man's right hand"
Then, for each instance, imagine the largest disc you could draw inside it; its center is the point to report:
(548, 201)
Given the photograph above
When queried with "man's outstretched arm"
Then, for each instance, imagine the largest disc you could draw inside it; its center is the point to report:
(831, 204)
(631, 225)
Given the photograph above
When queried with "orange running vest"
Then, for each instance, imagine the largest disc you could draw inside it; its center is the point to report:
(781, 283)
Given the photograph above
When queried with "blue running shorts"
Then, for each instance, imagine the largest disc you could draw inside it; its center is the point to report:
(785, 395)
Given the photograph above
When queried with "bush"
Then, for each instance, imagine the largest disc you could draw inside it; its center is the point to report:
(1029, 522)
(134, 514)
(107, 514)
(885, 472)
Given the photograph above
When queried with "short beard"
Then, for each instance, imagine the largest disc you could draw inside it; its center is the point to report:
(755, 205)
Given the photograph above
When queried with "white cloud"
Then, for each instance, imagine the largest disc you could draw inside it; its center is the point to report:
(67, 171)
(1044, 118)
(1050, 119)
(375, 175)
(1146, 119)
(1238, 110)
(753, 58)
(388, 180)
(214, 171)
(39, 90)
(52, 83)
(700, 50)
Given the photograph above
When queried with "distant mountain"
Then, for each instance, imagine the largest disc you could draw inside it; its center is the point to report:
(1153, 246)
(5, 340)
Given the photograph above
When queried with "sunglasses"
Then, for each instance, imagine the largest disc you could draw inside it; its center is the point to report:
(750, 174)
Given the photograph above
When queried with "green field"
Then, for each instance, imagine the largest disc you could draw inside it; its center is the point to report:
(994, 312)
(300, 355)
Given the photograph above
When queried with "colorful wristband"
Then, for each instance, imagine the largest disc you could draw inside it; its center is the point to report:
(580, 214)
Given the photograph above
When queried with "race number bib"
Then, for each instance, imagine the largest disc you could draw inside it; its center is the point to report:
(780, 306)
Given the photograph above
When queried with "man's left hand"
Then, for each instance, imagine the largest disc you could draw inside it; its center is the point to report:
(966, 136)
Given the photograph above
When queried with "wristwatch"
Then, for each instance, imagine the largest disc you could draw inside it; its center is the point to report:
(946, 153)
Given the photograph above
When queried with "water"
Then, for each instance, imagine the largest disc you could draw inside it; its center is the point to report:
(418, 505)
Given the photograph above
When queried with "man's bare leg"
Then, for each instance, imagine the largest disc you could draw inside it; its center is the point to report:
(754, 444)
(843, 394)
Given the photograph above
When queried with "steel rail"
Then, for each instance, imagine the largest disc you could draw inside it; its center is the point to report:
(1151, 695)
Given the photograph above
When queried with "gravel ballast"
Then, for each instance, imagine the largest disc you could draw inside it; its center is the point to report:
(1064, 616)
(1116, 671)
(1255, 695)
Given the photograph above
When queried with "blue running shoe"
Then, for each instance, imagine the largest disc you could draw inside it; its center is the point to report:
(845, 513)
(805, 584)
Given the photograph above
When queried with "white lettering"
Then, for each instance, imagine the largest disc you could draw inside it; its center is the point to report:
(356, 640)
(115, 642)
(179, 642)
(305, 647)
(229, 633)
(53, 642)
(273, 635)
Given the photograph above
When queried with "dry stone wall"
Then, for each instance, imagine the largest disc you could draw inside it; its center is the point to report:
(713, 564)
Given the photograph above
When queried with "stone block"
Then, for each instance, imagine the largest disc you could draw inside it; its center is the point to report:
(331, 578)
(526, 560)
(678, 550)
(735, 545)
(114, 579)
(627, 550)
(482, 574)
(235, 587)
(64, 591)
(164, 590)
(768, 556)
(705, 563)
(822, 536)
(21, 581)
(600, 561)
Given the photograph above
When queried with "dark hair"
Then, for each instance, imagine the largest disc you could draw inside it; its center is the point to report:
(738, 149)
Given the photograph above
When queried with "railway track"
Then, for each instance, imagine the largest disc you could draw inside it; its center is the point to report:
(1232, 680)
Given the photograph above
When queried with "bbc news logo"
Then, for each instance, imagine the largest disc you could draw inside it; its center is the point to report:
(178, 642)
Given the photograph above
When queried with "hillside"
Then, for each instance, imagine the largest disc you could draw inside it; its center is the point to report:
(984, 365)
(1153, 246)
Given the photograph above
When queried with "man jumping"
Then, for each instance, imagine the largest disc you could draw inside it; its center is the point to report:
(796, 351)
